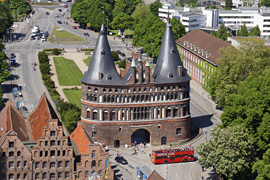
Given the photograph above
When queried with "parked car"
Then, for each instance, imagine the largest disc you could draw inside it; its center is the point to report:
(65, 6)
(33, 37)
(123, 54)
(121, 159)
(65, 22)
(46, 34)
(57, 15)
(74, 27)
(43, 39)
(118, 51)
(85, 34)
(47, 13)
(60, 10)
(59, 22)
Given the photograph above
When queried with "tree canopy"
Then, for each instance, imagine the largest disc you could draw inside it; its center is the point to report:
(265, 3)
(243, 31)
(154, 7)
(221, 33)
(122, 21)
(262, 167)
(230, 152)
(141, 12)
(6, 19)
(4, 72)
(20, 7)
(235, 65)
(228, 4)
(255, 31)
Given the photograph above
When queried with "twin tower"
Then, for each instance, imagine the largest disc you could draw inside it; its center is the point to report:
(140, 106)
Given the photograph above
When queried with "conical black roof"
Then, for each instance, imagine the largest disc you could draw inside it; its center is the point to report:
(102, 70)
(168, 60)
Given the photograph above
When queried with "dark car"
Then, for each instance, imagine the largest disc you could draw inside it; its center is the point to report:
(46, 34)
(47, 13)
(121, 159)
(123, 54)
(118, 51)
(60, 10)
(12, 55)
(85, 34)
(33, 37)
(59, 22)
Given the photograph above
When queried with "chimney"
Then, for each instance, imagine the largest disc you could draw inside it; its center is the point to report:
(179, 70)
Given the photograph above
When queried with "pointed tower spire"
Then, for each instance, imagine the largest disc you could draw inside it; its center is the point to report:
(147, 62)
(102, 70)
(133, 64)
(168, 65)
(140, 57)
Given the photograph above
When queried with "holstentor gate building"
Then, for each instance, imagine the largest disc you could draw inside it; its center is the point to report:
(140, 105)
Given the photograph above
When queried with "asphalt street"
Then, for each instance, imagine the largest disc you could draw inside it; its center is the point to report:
(203, 114)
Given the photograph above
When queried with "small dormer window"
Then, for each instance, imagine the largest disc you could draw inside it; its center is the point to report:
(172, 50)
(192, 46)
(102, 52)
(96, 90)
(109, 77)
(200, 50)
(170, 75)
(203, 53)
(188, 44)
(208, 55)
(185, 43)
(196, 48)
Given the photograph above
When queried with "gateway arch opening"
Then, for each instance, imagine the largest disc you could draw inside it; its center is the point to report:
(140, 136)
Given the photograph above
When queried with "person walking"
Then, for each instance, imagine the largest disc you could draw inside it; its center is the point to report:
(144, 144)
(142, 150)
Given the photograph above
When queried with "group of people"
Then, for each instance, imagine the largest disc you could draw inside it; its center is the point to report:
(135, 147)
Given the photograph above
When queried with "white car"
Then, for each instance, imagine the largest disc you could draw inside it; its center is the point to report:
(43, 39)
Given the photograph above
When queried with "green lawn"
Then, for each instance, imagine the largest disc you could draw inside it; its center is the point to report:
(74, 96)
(63, 36)
(67, 71)
(87, 61)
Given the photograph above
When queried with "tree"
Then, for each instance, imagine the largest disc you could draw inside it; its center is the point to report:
(249, 106)
(154, 7)
(235, 65)
(20, 7)
(214, 33)
(255, 31)
(131, 5)
(243, 31)
(178, 28)
(228, 4)
(70, 118)
(115, 56)
(141, 12)
(262, 167)
(181, 3)
(6, 19)
(193, 3)
(230, 152)
(265, 3)
(122, 21)
(148, 33)
(4, 72)
(222, 33)
(211, 7)
(119, 7)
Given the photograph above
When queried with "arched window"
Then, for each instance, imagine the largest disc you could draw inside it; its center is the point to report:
(93, 163)
(95, 114)
(112, 115)
(80, 174)
(109, 98)
(100, 172)
(87, 164)
(99, 163)
(168, 112)
(95, 98)
(133, 98)
(168, 97)
(175, 110)
(112, 100)
(88, 113)
(105, 115)
(93, 172)
(142, 98)
(138, 98)
(86, 173)
(104, 98)
(94, 154)
(123, 114)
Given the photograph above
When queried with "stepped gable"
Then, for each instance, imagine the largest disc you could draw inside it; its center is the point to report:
(203, 44)
(102, 70)
(39, 117)
(81, 139)
(166, 70)
(12, 120)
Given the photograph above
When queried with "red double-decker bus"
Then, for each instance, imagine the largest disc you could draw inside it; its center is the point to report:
(173, 155)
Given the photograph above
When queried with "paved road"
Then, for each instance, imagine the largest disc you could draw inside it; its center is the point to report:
(203, 113)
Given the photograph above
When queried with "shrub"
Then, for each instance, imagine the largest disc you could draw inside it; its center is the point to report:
(87, 49)
(46, 77)
(56, 51)
(115, 56)
(43, 58)
(44, 68)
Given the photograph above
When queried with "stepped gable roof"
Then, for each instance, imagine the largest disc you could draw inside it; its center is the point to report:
(168, 60)
(12, 120)
(81, 139)
(102, 70)
(203, 44)
(39, 117)
(155, 176)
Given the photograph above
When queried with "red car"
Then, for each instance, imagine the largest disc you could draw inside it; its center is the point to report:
(74, 27)
(65, 6)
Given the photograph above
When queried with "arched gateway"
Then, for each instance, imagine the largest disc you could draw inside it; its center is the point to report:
(140, 136)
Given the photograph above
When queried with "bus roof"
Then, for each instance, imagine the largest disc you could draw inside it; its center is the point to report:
(190, 148)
